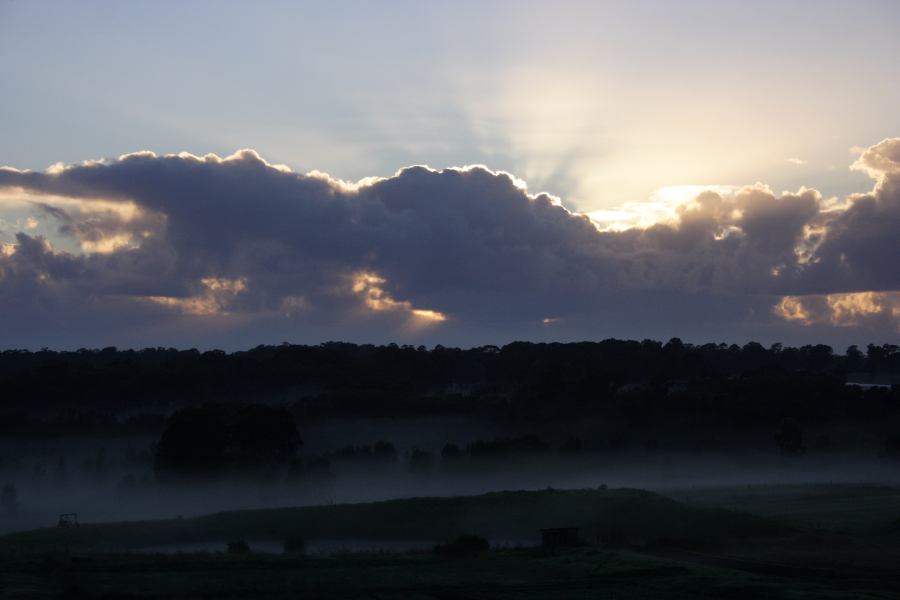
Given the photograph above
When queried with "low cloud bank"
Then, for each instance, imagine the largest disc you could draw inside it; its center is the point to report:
(180, 249)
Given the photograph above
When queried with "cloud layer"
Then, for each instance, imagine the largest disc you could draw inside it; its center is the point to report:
(181, 249)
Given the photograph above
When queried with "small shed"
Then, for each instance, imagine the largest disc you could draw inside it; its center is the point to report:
(560, 537)
(68, 520)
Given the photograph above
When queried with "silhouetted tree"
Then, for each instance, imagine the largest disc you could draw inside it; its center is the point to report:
(9, 499)
(640, 385)
(316, 473)
(855, 358)
(789, 438)
(450, 453)
(37, 474)
(892, 446)
(571, 446)
(385, 452)
(61, 476)
(508, 447)
(212, 440)
(238, 547)
(421, 460)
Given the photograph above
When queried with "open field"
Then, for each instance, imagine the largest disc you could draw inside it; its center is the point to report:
(803, 542)
(622, 516)
(840, 507)
(581, 573)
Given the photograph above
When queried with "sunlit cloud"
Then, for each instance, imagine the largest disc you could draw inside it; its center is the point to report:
(125, 210)
(796, 161)
(369, 287)
(663, 207)
(108, 244)
(215, 298)
(211, 237)
(841, 310)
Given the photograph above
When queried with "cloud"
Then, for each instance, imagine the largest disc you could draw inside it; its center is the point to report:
(182, 247)
(796, 161)
(881, 309)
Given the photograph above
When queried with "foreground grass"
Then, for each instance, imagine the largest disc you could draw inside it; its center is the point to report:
(640, 545)
(583, 573)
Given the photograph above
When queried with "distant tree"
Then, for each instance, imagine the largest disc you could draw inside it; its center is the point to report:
(892, 446)
(238, 547)
(126, 486)
(261, 436)
(789, 438)
(9, 499)
(314, 474)
(384, 451)
(318, 469)
(571, 446)
(193, 444)
(61, 476)
(37, 474)
(855, 358)
(450, 453)
(296, 472)
(295, 546)
(508, 447)
(213, 440)
(421, 460)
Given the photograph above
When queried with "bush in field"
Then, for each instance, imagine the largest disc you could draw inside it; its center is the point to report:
(238, 547)
(465, 546)
(421, 460)
(789, 438)
(295, 546)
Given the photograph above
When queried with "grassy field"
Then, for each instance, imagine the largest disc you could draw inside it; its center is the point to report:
(622, 516)
(802, 542)
(591, 572)
(839, 507)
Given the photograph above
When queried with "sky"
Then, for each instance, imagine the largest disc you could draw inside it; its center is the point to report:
(232, 173)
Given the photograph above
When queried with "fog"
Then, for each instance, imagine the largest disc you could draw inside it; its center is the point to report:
(112, 478)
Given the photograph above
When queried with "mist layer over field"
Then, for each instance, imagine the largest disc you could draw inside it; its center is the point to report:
(108, 479)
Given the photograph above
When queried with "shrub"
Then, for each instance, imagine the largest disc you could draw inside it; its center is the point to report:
(295, 546)
(464, 546)
(238, 547)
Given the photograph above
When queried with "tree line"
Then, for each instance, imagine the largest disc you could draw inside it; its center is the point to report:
(94, 390)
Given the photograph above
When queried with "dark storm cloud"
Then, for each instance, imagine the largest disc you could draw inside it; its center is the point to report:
(255, 245)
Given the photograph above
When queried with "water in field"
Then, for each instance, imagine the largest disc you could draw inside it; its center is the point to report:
(320, 548)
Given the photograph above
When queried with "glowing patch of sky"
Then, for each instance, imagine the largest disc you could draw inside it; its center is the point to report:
(601, 103)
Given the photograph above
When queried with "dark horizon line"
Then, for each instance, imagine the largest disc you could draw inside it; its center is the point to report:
(675, 341)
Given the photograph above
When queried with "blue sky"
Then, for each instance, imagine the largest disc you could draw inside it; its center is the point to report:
(600, 103)
(616, 108)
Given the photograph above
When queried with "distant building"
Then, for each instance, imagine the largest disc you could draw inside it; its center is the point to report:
(873, 380)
